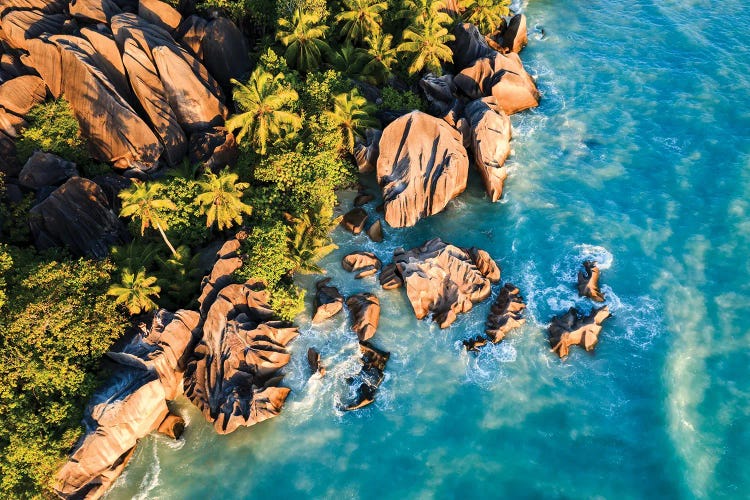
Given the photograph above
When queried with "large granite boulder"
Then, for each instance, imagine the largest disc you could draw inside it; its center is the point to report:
(478, 79)
(151, 94)
(468, 46)
(96, 11)
(490, 140)
(190, 34)
(366, 151)
(44, 56)
(328, 301)
(441, 279)
(225, 51)
(233, 377)
(588, 282)
(421, 167)
(438, 90)
(215, 148)
(18, 26)
(159, 13)
(575, 328)
(515, 36)
(506, 313)
(354, 220)
(130, 405)
(365, 314)
(514, 92)
(45, 6)
(109, 58)
(196, 106)
(228, 261)
(77, 215)
(389, 278)
(114, 131)
(46, 169)
(19, 95)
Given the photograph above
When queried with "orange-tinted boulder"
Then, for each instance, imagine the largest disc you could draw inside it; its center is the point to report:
(490, 143)
(365, 314)
(515, 36)
(159, 13)
(574, 328)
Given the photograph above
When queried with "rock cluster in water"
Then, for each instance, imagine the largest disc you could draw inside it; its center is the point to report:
(422, 160)
(226, 358)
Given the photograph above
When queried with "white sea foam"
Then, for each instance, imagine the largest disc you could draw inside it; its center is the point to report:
(150, 480)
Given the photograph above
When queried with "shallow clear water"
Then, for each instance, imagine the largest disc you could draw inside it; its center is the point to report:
(639, 156)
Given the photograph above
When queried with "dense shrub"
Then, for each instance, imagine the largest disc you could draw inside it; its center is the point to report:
(401, 101)
(57, 322)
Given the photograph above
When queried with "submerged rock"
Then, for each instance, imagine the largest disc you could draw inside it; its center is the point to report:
(365, 314)
(422, 166)
(442, 280)
(473, 344)
(573, 328)
(77, 215)
(372, 374)
(363, 263)
(588, 282)
(172, 426)
(328, 301)
(506, 313)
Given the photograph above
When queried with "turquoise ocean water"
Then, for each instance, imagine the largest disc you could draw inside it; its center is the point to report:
(639, 157)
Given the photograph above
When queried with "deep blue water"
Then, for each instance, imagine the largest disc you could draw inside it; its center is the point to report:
(639, 156)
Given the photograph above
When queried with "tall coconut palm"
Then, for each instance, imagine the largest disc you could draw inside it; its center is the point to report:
(486, 15)
(135, 291)
(307, 244)
(264, 102)
(143, 201)
(427, 45)
(349, 60)
(424, 11)
(220, 199)
(303, 39)
(361, 18)
(352, 114)
(382, 57)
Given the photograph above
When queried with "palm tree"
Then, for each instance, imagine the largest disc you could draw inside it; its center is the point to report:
(263, 101)
(427, 44)
(360, 18)
(143, 201)
(383, 57)
(135, 291)
(182, 275)
(221, 199)
(349, 60)
(134, 255)
(424, 11)
(352, 116)
(303, 39)
(307, 243)
(486, 15)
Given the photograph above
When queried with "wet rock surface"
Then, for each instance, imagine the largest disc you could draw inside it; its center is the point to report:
(328, 301)
(588, 282)
(363, 263)
(371, 376)
(575, 328)
(365, 314)
(506, 313)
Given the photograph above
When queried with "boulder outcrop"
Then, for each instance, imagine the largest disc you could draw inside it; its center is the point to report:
(225, 51)
(421, 167)
(389, 278)
(94, 11)
(588, 282)
(490, 140)
(473, 344)
(366, 152)
(468, 46)
(371, 376)
(363, 263)
(375, 231)
(216, 148)
(19, 95)
(515, 36)
(365, 314)
(159, 13)
(574, 328)
(129, 406)
(313, 361)
(228, 261)
(355, 220)
(442, 280)
(506, 313)
(233, 377)
(46, 169)
(328, 301)
(77, 215)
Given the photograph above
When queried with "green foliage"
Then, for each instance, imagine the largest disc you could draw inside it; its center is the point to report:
(56, 324)
(267, 257)
(145, 203)
(220, 199)
(135, 291)
(303, 37)
(14, 220)
(352, 115)
(260, 13)
(180, 279)
(287, 301)
(186, 223)
(53, 128)
(361, 18)
(382, 58)
(401, 101)
(316, 94)
(287, 8)
(486, 15)
(425, 42)
(265, 104)
(307, 243)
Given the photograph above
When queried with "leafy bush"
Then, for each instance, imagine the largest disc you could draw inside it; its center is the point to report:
(401, 101)
(54, 129)
(57, 323)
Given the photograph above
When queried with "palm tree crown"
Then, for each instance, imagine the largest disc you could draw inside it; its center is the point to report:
(428, 45)
(303, 39)
(306, 244)
(486, 15)
(360, 18)
(144, 201)
(263, 101)
(352, 115)
(135, 291)
(221, 199)
(383, 57)
(425, 11)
